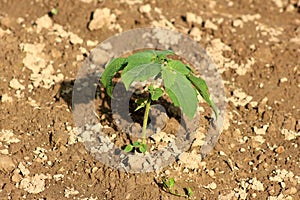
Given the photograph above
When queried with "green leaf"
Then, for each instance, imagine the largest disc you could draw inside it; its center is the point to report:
(140, 73)
(202, 88)
(136, 144)
(143, 148)
(147, 56)
(190, 192)
(139, 58)
(161, 55)
(181, 91)
(111, 69)
(141, 103)
(155, 93)
(173, 97)
(128, 148)
(178, 66)
(171, 183)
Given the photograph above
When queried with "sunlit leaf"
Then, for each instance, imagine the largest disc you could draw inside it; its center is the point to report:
(140, 73)
(172, 182)
(111, 69)
(181, 91)
(155, 93)
(136, 144)
(143, 148)
(128, 148)
(202, 88)
(178, 66)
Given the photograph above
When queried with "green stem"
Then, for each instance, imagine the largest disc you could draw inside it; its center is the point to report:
(146, 120)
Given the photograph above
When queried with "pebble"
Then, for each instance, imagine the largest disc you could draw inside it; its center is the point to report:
(210, 25)
(6, 163)
(196, 33)
(191, 18)
(75, 39)
(44, 22)
(290, 191)
(16, 177)
(145, 9)
(15, 84)
(280, 149)
(6, 98)
(284, 79)
(212, 186)
(238, 23)
(101, 17)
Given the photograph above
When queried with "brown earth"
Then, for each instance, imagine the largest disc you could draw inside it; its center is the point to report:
(256, 45)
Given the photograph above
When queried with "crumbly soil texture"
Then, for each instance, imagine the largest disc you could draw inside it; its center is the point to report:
(256, 46)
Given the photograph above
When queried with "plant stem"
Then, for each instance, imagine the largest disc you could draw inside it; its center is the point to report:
(146, 120)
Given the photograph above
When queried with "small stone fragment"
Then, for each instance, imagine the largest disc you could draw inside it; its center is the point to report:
(101, 18)
(75, 39)
(211, 186)
(16, 177)
(280, 149)
(238, 23)
(23, 170)
(261, 131)
(35, 184)
(44, 22)
(6, 163)
(145, 9)
(257, 185)
(191, 18)
(15, 84)
(284, 79)
(70, 191)
(290, 191)
(210, 25)
(190, 160)
(196, 33)
(289, 135)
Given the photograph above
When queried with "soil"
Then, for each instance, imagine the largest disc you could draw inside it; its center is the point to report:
(256, 45)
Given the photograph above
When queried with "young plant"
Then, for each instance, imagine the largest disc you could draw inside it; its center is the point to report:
(169, 184)
(179, 83)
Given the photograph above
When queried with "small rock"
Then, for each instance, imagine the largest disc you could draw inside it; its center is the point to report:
(16, 177)
(58, 177)
(145, 9)
(211, 186)
(101, 17)
(238, 23)
(44, 22)
(15, 84)
(35, 184)
(91, 43)
(190, 160)
(289, 135)
(23, 170)
(191, 18)
(6, 163)
(261, 131)
(280, 149)
(290, 191)
(284, 79)
(257, 185)
(196, 33)
(209, 25)
(75, 39)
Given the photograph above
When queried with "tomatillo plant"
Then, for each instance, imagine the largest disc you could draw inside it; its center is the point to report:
(179, 82)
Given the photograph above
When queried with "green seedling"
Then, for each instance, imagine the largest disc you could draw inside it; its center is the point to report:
(179, 83)
(168, 185)
(54, 11)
